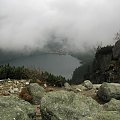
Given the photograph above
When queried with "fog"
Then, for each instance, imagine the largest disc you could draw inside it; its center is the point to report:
(74, 25)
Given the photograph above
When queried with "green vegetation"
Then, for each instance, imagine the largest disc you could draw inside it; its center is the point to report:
(104, 50)
(52, 79)
(92, 64)
(81, 73)
(12, 72)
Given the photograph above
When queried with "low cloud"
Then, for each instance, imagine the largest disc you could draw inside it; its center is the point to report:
(28, 25)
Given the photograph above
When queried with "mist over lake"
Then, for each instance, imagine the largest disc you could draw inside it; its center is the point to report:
(54, 63)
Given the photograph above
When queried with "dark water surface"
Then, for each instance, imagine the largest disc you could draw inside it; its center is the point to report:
(57, 64)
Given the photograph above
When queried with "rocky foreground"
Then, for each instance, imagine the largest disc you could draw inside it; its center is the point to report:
(21, 100)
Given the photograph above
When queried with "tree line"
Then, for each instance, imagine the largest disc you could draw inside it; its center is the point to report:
(21, 72)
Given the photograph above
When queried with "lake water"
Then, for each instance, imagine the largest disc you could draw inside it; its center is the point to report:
(57, 64)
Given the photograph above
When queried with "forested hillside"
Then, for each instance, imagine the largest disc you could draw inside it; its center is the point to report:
(105, 66)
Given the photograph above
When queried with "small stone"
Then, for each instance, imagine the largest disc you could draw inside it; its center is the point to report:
(27, 83)
(45, 85)
(79, 90)
(16, 89)
(5, 93)
(9, 81)
(20, 89)
(37, 110)
(88, 84)
(11, 91)
(17, 82)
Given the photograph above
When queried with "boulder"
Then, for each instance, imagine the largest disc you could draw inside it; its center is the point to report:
(88, 84)
(37, 92)
(67, 86)
(107, 115)
(111, 110)
(113, 105)
(13, 108)
(108, 91)
(65, 105)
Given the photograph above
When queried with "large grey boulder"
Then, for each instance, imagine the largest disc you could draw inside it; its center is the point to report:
(13, 108)
(108, 91)
(113, 105)
(111, 111)
(64, 105)
(107, 115)
(88, 84)
(37, 92)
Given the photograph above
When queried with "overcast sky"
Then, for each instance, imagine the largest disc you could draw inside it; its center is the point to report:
(29, 24)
